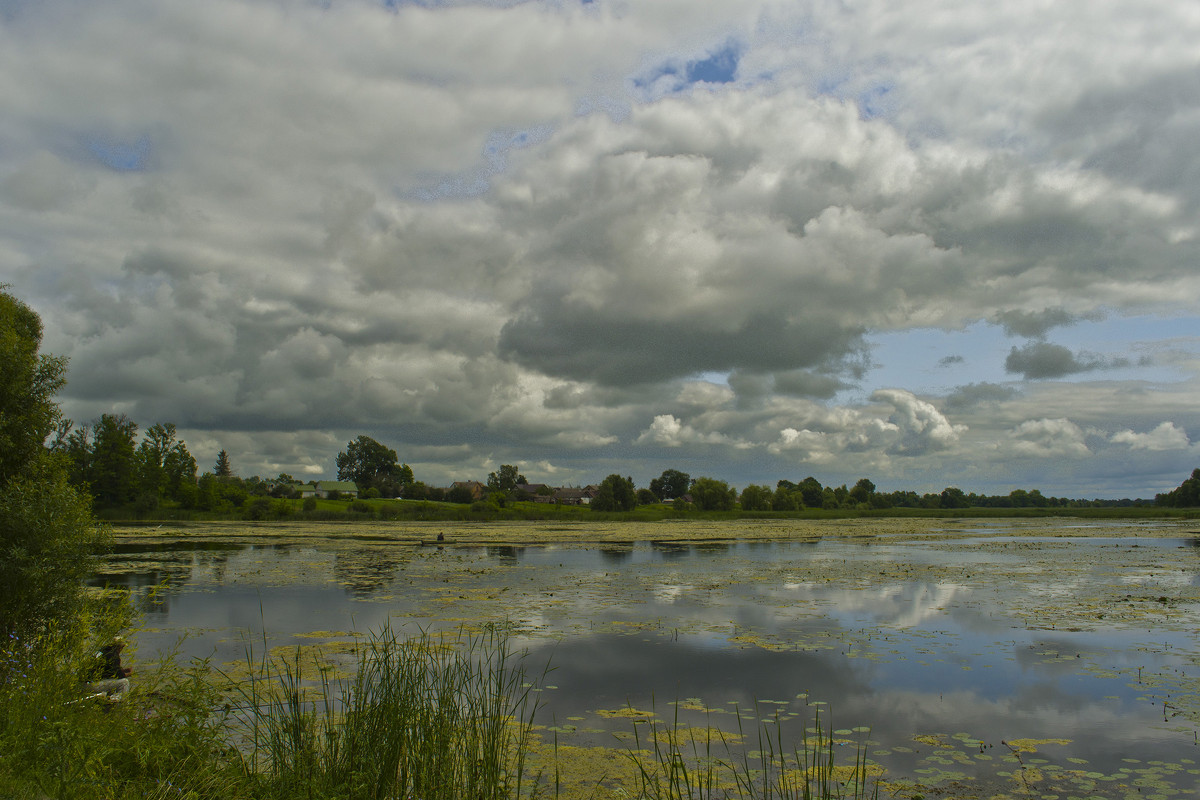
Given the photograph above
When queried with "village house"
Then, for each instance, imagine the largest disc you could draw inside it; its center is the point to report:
(576, 497)
(324, 488)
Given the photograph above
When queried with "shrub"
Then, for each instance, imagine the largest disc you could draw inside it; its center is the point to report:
(258, 508)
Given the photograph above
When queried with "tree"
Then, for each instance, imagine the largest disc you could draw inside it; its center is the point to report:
(615, 494)
(863, 491)
(459, 494)
(1186, 495)
(671, 484)
(164, 465)
(28, 383)
(371, 464)
(222, 469)
(75, 445)
(646, 497)
(710, 494)
(953, 497)
(756, 498)
(179, 472)
(48, 536)
(505, 479)
(786, 497)
(114, 472)
(811, 492)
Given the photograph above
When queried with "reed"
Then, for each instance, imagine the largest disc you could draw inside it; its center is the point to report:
(681, 762)
(426, 717)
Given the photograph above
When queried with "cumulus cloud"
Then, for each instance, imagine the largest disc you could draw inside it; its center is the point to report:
(1167, 436)
(1049, 438)
(519, 231)
(922, 428)
(668, 431)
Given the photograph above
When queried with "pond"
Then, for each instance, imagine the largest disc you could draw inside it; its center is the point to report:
(1042, 658)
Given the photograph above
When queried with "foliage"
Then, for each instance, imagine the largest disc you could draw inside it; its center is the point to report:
(710, 494)
(28, 383)
(112, 474)
(47, 534)
(166, 739)
(224, 495)
(459, 494)
(223, 469)
(48, 542)
(863, 491)
(505, 480)
(373, 465)
(671, 484)
(645, 497)
(1186, 495)
(615, 494)
(756, 498)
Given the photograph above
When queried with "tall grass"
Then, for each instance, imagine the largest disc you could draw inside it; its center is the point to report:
(687, 763)
(164, 740)
(424, 717)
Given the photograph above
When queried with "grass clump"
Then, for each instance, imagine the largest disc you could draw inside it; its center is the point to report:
(680, 762)
(428, 717)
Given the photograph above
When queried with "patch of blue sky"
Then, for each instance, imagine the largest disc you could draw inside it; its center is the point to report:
(720, 67)
(1144, 341)
(930, 361)
(121, 156)
(675, 75)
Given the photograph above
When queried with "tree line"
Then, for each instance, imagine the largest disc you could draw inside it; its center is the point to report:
(122, 471)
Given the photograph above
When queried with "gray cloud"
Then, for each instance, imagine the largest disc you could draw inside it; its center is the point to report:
(1036, 324)
(976, 393)
(1045, 360)
(469, 230)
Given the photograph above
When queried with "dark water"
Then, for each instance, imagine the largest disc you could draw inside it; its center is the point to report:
(967, 642)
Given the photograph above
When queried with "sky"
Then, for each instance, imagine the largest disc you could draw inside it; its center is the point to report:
(930, 243)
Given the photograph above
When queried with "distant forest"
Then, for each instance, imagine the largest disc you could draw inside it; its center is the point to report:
(142, 474)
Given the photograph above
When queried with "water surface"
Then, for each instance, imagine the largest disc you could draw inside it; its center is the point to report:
(984, 655)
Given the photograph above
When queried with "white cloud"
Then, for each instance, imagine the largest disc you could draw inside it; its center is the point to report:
(466, 227)
(1049, 438)
(1165, 437)
(920, 425)
(668, 431)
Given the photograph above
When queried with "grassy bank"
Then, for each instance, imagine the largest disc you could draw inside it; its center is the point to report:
(428, 511)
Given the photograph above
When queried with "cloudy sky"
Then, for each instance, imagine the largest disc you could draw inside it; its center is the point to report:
(928, 242)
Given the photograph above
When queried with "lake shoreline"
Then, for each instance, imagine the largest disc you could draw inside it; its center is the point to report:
(629, 532)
